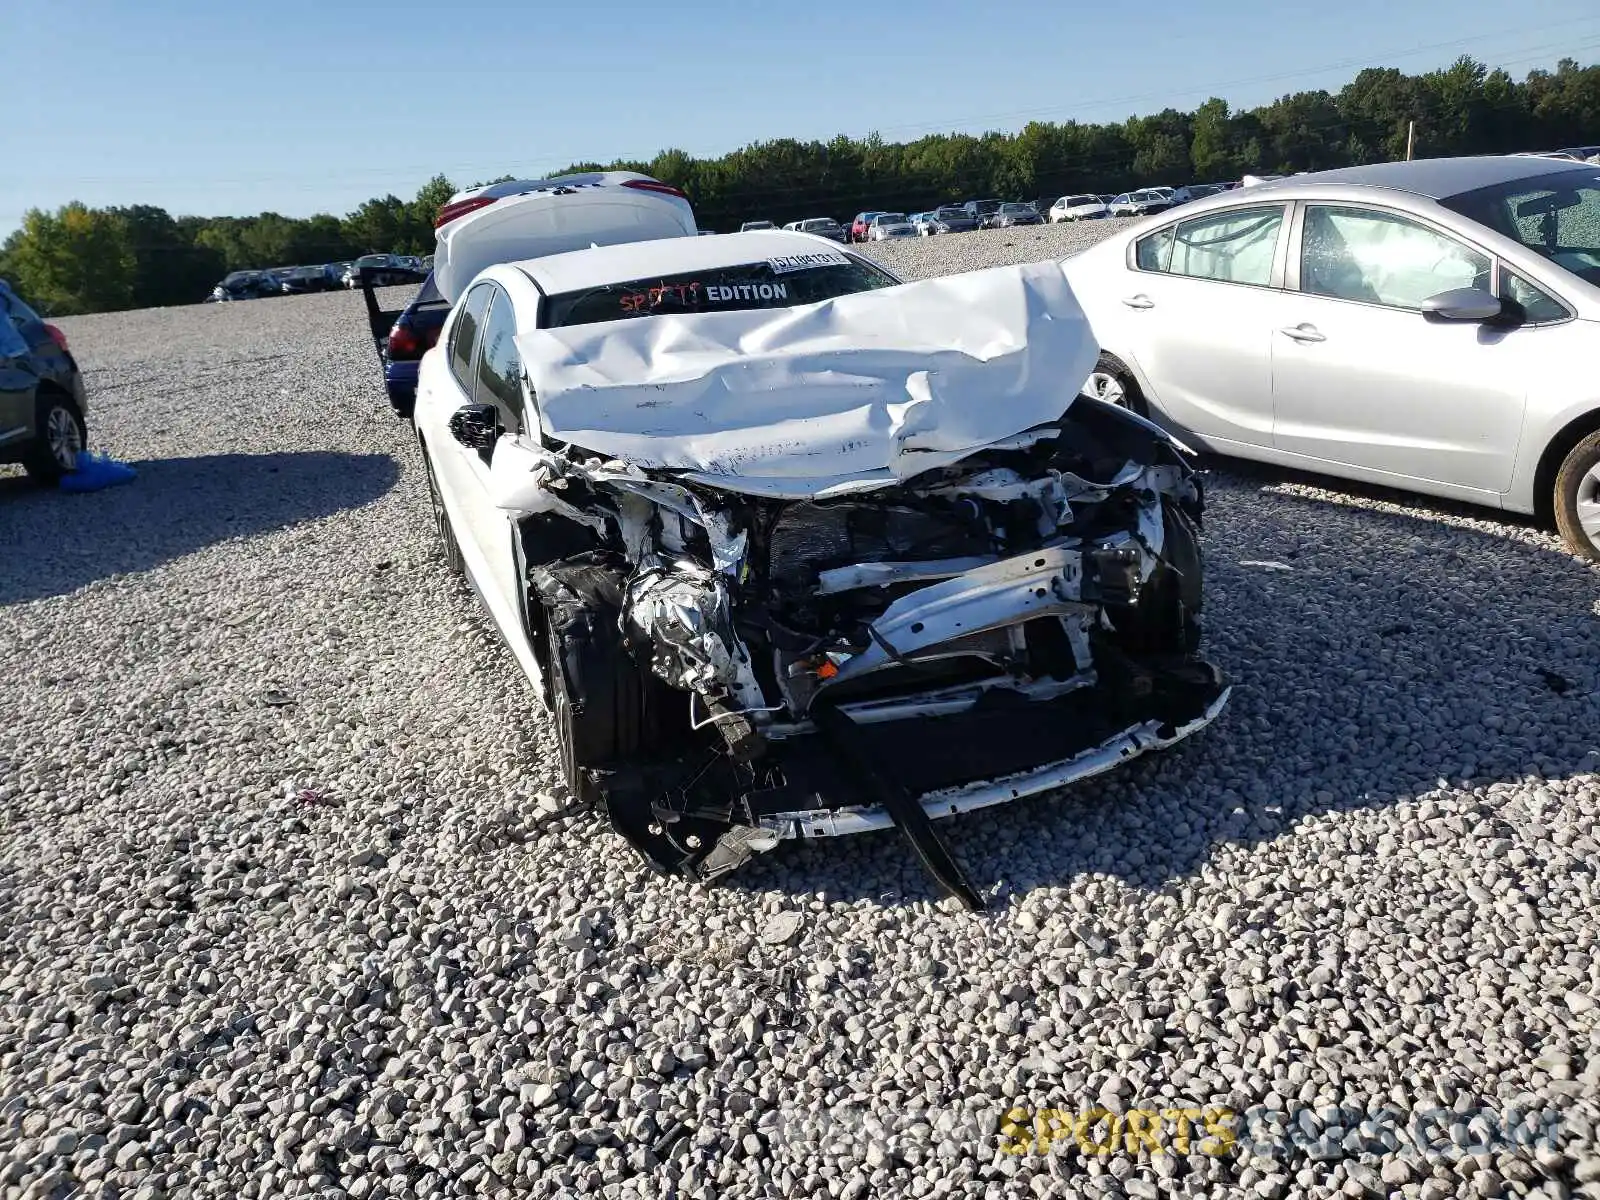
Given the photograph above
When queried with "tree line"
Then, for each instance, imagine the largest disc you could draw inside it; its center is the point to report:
(81, 259)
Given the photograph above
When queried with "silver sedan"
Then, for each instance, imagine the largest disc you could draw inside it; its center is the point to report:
(1432, 326)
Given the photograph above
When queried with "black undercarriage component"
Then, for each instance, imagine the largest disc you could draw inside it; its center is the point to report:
(908, 815)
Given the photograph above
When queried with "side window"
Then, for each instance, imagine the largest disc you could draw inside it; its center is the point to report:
(1380, 258)
(464, 335)
(1232, 247)
(500, 366)
(1154, 253)
(1538, 306)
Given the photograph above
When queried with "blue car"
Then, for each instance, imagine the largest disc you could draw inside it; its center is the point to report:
(403, 336)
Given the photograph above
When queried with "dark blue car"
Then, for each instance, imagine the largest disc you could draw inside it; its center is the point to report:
(42, 399)
(403, 336)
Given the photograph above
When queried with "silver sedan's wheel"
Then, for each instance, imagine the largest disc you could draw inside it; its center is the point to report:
(1588, 505)
(1577, 497)
(1102, 385)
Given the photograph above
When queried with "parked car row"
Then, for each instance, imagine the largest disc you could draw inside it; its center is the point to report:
(297, 281)
(1581, 154)
(876, 225)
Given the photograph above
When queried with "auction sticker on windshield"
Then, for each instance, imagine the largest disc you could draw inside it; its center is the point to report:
(785, 263)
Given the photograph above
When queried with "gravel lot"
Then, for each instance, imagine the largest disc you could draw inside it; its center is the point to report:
(918, 258)
(289, 904)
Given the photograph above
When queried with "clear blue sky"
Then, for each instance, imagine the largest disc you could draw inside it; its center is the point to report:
(300, 106)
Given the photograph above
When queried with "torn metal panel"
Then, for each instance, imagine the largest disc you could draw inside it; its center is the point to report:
(1039, 584)
(882, 574)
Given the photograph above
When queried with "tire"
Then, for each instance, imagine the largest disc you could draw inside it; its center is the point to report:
(1113, 383)
(62, 436)
(441, 522)
(606, 709)
(1577, 498)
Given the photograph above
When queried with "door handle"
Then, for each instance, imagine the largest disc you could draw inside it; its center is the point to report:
(1303, 333)
(1139, 301)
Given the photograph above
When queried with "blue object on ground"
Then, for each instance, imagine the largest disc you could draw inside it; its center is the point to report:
(96, 471)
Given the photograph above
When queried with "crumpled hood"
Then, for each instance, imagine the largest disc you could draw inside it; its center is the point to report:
(849, 394)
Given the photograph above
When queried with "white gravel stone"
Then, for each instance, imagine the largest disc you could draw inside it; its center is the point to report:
(367, 986)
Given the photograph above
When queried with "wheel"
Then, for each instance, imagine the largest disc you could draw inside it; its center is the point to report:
(62, 437)
(1577, 498)
(606, 710)
(441, 522)
(1113, 383)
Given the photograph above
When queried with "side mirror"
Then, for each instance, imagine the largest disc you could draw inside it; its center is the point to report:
(1463, 304)
(475, 426)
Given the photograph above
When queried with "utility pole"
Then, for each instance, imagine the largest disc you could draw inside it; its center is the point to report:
(1411, 137)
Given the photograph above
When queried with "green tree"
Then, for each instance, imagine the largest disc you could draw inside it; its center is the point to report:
(1212, 150)
(422, 212)
(378, 226)
(169, 267)
(224, 236)
(1463, 108)
(74, 260)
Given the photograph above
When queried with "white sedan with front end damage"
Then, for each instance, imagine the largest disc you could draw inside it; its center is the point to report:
(792, 549)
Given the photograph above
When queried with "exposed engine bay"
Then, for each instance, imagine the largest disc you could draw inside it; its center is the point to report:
(730, 669)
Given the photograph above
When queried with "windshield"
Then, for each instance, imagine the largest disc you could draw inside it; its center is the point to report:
(1204, 189)
(1556, 216)
(889, 219)
(719, 289)
(1078, 201)
(951, 214)
(819, 223)
(1016, 208)
(239, 277)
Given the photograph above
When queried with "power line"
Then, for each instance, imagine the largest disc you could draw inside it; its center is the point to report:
(1213, 88)
(552, 162)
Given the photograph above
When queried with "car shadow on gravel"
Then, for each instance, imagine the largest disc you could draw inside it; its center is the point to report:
(54, 542)
(1374, 654)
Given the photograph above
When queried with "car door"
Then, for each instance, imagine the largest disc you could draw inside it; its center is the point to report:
(1365, 385)
(1196, 311)
(18, 384)
(485, 369)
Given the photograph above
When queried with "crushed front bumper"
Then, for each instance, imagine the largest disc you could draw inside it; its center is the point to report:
(703, 816)
(952, 800)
